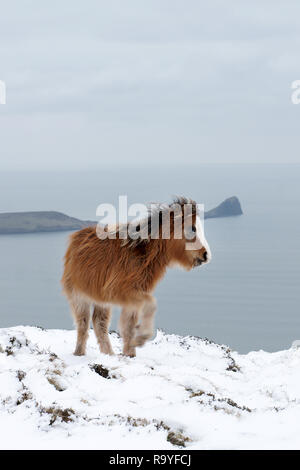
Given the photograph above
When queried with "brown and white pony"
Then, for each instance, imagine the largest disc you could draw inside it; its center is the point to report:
(102, 271)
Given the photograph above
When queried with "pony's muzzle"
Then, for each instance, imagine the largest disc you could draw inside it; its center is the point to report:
(201, 259)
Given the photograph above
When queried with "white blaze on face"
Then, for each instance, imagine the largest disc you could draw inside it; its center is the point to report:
(200, 241)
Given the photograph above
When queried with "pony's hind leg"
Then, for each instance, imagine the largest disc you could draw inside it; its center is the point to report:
(145, 328)
(81, 313)
(127, 325)
(101, 321)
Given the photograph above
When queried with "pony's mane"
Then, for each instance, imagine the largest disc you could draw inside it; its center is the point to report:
(157, 212)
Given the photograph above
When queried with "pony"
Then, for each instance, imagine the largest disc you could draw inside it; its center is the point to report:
(103, 268)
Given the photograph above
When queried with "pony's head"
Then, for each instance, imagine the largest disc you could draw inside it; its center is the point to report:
(191, 249)
(179, 225)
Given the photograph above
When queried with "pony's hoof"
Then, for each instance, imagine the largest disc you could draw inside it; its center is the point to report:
(129, 352)
(79, 353)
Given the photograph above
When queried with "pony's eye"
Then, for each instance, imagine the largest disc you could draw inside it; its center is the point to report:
(190, 232)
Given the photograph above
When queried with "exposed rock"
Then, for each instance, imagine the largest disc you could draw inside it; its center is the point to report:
(227, 208)
(44, 221)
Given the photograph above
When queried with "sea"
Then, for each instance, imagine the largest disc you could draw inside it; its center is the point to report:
(248, 297)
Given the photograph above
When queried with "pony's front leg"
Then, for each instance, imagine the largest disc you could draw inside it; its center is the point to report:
(81, 313)
(145, 328)
(128, 322)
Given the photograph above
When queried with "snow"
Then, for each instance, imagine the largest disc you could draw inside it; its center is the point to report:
(178, 391)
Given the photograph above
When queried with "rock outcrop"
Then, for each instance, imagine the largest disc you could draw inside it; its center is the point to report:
(227, 208)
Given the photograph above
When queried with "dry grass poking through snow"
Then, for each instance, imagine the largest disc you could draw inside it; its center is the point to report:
(177, 392)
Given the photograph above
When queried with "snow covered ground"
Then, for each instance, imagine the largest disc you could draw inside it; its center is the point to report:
(176, 392)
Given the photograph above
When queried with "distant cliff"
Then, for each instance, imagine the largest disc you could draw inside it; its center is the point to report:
(45, 221)
(227, 208)
(51, 221)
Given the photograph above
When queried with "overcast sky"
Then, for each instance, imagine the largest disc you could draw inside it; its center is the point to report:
(135, 82)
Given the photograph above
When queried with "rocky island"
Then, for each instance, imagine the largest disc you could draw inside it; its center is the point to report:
(40, 221)
(227, 208)
(51, 221)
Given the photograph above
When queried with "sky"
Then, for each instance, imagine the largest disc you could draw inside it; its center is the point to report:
(93, 83)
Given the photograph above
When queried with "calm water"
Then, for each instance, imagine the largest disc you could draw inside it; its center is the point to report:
(248, 297)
